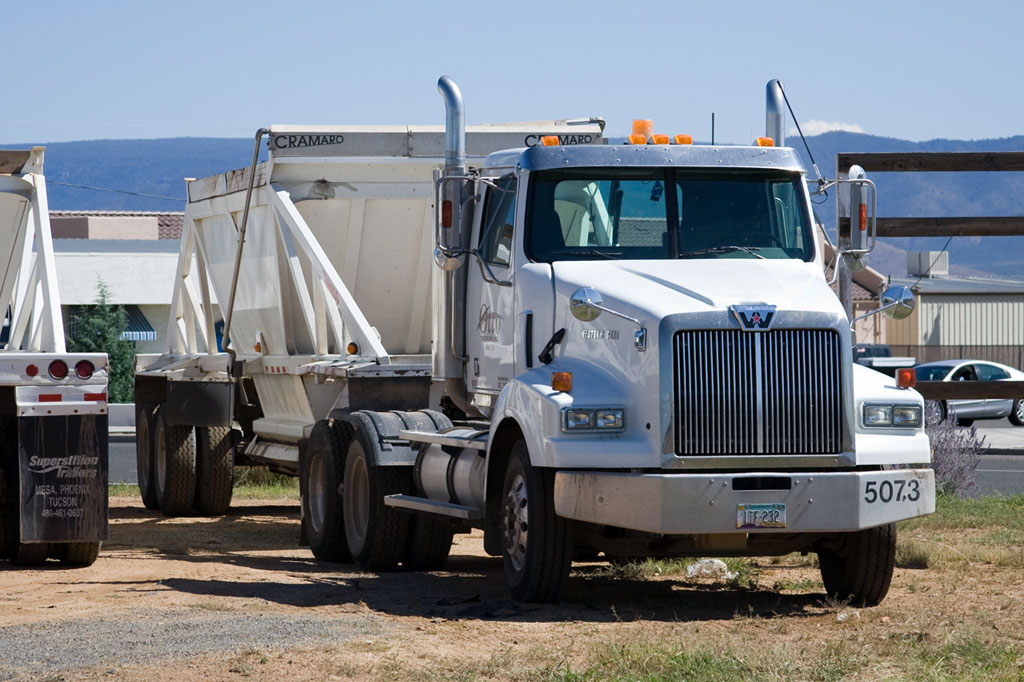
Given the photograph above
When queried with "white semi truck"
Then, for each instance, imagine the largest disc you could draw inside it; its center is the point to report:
(53, 404)
(575, 346)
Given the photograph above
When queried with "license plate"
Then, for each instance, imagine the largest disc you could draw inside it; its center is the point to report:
(760, 516)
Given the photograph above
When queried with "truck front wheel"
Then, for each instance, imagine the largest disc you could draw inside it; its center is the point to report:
(321, 478)
(860, 567)
(376, 533)
(536, 543)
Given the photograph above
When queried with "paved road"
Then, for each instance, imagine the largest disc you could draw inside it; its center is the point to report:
(122, 461)
(1002, 472)
(997, 473)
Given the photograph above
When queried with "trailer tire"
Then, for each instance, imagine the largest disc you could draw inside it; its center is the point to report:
(376, 534)
(79, 553)
(174, 460)
(320, 474)
(19, 553)
(29, 553)
(215, 470)
(537, 544)
(861, 568)
(428, 544)
(144, 418)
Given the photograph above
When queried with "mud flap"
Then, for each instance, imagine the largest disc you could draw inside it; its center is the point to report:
(63, 478)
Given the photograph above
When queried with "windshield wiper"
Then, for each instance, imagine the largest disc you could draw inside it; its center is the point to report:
(752, 250)
(612, 255)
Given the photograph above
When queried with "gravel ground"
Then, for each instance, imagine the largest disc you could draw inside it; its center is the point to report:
(28, 651)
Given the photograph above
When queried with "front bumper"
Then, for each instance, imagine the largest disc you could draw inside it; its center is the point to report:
(677, 504)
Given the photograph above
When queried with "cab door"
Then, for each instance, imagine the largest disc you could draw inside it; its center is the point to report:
(490, 313)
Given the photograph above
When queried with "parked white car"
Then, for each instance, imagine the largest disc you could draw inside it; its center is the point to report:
(967, 411)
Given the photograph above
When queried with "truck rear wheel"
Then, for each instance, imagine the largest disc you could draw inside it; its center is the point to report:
(79, 553)
(428, 544)
(376, 534)
(536, 543)
(174, 461)
(144, 417)
(215, 469)
(320, 474)
(861, 568)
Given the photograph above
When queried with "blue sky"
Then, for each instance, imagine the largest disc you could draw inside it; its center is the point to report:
(113, 69)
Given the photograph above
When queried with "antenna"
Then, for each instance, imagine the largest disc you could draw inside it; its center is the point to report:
(712, 127)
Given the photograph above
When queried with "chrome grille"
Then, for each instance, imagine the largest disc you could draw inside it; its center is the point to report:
(751, 393)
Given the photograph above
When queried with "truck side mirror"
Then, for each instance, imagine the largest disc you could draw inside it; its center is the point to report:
(856, 199)
(898, 302)
(585, 304)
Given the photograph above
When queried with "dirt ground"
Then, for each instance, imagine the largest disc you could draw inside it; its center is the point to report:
(236, 598)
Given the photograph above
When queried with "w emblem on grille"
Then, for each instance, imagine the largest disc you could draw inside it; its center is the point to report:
(753, 317)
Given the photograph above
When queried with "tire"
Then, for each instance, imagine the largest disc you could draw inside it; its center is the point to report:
(29, 553)
(965, 422)
(320, 474)
(174, 463)
(934, 412)
(861, 569)
(19, 553)
(1017, 413)
(428, 544)
(376, 534)
(215, 469)
(536, 544)
(144, 418)
(79, 553)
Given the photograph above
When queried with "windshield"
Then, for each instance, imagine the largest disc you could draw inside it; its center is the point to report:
(658, 213)
(932, 372)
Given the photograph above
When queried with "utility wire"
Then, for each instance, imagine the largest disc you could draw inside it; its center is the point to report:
(116, 191)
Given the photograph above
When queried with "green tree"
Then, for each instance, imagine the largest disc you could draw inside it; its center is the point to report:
(97, 329)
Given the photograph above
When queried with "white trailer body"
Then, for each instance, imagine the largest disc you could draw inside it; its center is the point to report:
(53, 404)
(636, 345)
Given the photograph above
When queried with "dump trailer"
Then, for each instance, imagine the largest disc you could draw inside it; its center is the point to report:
(578, 347)
(53, 404)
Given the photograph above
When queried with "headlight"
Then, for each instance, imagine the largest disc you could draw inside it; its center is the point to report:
(590, 419)
(579, 420)
(892, 415)
(906, 415)
(878, 415)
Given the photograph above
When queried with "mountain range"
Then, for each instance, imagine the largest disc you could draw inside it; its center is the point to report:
(148, 175)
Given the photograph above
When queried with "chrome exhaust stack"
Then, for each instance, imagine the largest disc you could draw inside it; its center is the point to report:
(454, 127)
(774, 117)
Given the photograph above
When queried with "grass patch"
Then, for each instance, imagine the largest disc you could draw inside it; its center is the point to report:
(740, 567)
(123, 490)
(261, 485)
(989, 530)
(912, 554)
(653, 663)
(955, 513)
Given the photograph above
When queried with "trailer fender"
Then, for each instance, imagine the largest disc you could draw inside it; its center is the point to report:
(380, 432)
(199, 403)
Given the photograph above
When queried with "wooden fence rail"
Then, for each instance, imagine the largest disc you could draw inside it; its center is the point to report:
(960, 390)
